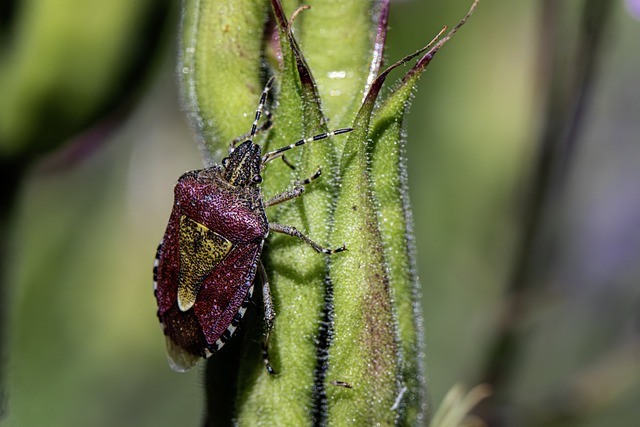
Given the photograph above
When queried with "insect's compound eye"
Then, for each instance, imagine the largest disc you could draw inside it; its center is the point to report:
(225, 162)
(257, 179)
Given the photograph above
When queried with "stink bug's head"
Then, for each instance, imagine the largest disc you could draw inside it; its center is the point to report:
(242, 167)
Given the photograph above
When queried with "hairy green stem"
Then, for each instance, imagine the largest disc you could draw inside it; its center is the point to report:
(346, 342)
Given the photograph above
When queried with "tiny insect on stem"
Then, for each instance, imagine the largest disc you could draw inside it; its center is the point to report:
(341, 384)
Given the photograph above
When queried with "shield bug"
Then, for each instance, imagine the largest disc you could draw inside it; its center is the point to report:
(208, 258)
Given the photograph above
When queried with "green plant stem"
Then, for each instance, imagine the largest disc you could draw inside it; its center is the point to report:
(346, 337)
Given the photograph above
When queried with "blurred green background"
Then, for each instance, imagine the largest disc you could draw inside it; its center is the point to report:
(83, 345)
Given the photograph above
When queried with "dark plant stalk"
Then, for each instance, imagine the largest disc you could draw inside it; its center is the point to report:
(568, 94)
(11, 173)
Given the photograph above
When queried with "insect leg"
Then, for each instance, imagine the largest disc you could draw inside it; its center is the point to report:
(287, 162)
(292, 231)
(277, 153)
(294, 192)
(269, 316)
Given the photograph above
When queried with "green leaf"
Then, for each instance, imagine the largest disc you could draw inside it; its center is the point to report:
(365, 350)
(389, 190)
(455, 409)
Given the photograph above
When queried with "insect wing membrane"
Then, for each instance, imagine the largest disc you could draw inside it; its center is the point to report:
(179, 359)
